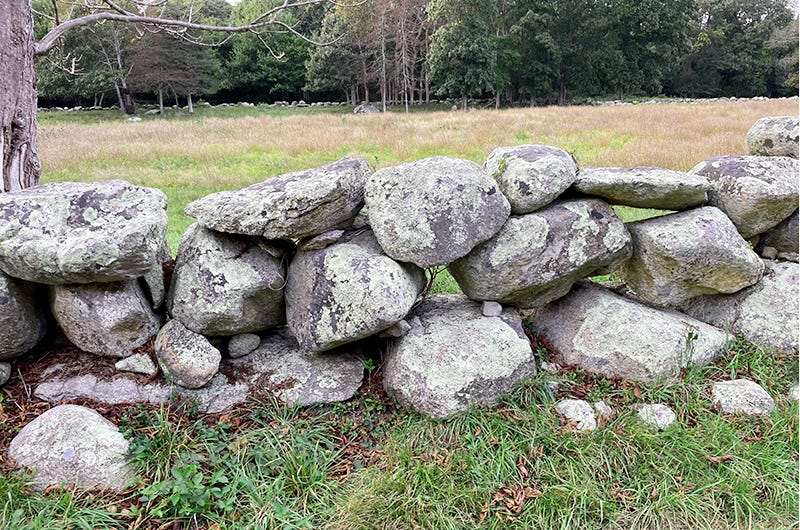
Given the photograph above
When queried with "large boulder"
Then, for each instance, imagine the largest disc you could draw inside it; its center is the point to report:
(756, 192)
(186, 358)
(72, 232)
(766, 313)
(224, 284)
(536, 258)
(644, 187)
(774, 136)
(73, 447)
(531, 176)
(434, 211)
(454, 357)
(783, 237)
(348, 291)
(110, 319)
(610, 334)
(300, 204)
(679, 256)
(22, 321)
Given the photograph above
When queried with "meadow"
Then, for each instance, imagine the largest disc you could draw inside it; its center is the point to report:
(366, 464)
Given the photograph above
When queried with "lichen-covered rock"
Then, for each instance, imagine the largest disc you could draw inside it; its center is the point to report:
(454, 357)
(110, 319)
(644, 187)
(154, 278)
(225, 284)
(73, 447)
(679, 256)
(138, 363)
(433, 211)
(607, 333)
(22, 322)
(531, 176)
(756, 192)
(300, 204)
(299, 377)
(536, 258)
(186, 358)
(5, 373)
(578, 411)
(657, 415)
(774, 136)
(348, 291)
(742, 396)
(72, 232)
(783, 237)
(243, 344)
(766, 313)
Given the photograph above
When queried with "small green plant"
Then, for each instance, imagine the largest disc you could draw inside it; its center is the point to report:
(369, 366)
(502, 166)
(688, 350)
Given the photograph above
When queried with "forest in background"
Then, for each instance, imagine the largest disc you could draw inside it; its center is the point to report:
(516, 52)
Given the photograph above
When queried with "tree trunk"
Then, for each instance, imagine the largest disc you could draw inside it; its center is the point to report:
(160, 100)
(19, 160)
(496, 100)
(464, 103)
(189, 104)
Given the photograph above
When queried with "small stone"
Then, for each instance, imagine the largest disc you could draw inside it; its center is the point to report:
(742, 396)
(138, 363)
(658, 415)
(321, 241)
(789, 256)
(400, 329)
(491, 309)
(186, 358)
(769, 252)
(579, 411)
(242, 344)
(603, 409)
(5, 373)
(794, 393)
(550, 367)
(553, 386)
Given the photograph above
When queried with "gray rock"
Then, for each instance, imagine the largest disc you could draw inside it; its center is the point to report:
(154, 278)
(578, 411)
(186, 358)
(536, 258)
(679, 256)
(348, 291)
(365, 109)
(742, 396)
(399, 329)
(602, 409)
(73, 447)
(550, 367)
(769, 252)
(321, 241)
(644, 187)
(5, 373)
(22, 321)
(241, 345)
(531, 176)
(607, 333)
(756, 192)
(72, 232)
(224, 284)
(138, 363)
(455, 357)
(794, 393)
(300, 204)
(766, 313)
(491, 309)
(789, 256)
(774, 136)
(110, 319)
(433, 211)
(783, 237)
(657, 415)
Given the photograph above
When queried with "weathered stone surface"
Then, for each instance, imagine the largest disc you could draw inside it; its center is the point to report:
(300, 204)
(138, 363)
(536, 258)
(774, 136)
(783, 237)
(321, 241)
(490, 308)
(602, 409)
(607, 333)
(22, 322)
(531, 176)
(679, 256)
(400, 329)
(579, 411)
(72, 232)
(72, 446)
(657, 415)
(241, 345)
(5, 373)
(454, 357)
(154, 278)
(742, 396)
(794, 393)
(186, 358)
(433, 211)
(644, 187)
(769, 252)
(111, 319)
(766, 313)
(225, 284)
(348, 291)
(756, 192)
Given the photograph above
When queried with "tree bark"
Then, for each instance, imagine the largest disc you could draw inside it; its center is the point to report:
(189, 103)
(19, 160)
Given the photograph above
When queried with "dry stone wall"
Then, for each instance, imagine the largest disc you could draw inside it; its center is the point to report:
(295, 285)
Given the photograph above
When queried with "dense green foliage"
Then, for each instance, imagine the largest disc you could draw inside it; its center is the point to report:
(406, 51)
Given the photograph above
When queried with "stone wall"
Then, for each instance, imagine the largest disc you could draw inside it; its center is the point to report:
(296, 284)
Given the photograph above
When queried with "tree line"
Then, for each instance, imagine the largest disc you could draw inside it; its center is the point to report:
(517, 52)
